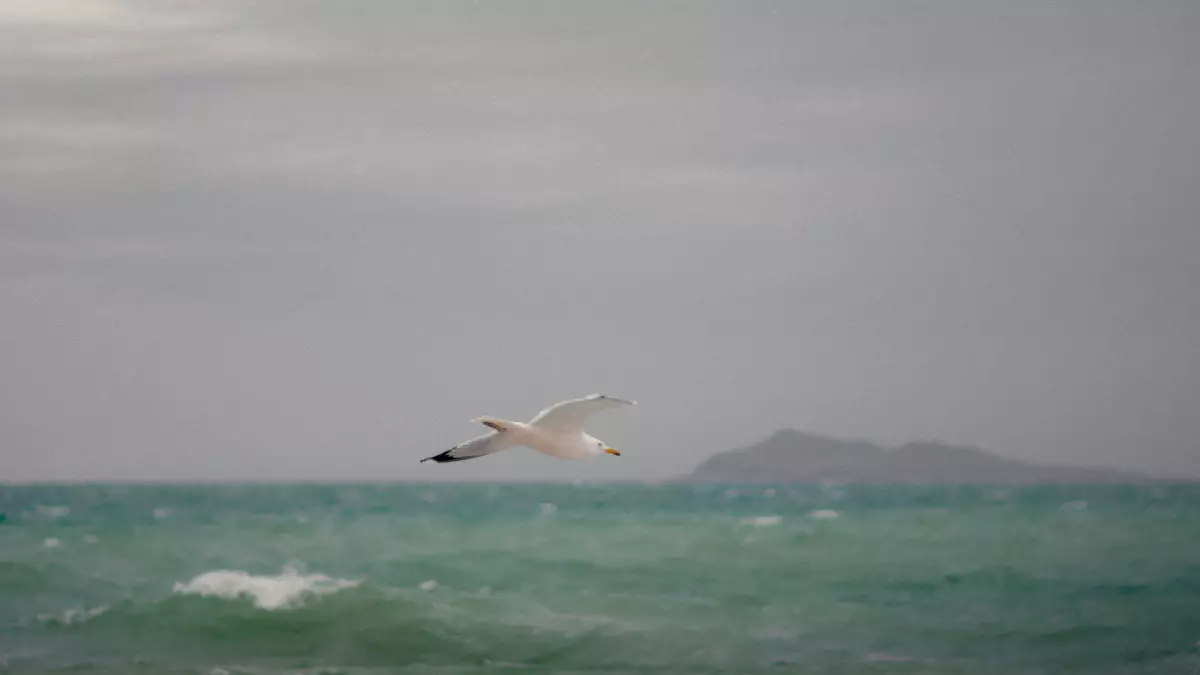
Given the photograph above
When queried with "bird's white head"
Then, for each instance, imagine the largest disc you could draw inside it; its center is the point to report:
(599, 447)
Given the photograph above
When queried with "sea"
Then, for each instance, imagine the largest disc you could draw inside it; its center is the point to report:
(599, 578)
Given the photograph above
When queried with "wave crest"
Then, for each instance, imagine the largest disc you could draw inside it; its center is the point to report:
(286, 590)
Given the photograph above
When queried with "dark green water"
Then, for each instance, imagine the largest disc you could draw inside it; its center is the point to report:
(599, 579)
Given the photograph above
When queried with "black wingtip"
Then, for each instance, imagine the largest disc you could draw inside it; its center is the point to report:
(444, 457)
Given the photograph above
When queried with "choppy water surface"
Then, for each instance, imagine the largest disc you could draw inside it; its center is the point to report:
(605, 578)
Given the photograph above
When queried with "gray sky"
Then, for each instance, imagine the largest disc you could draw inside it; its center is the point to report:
(293, 239)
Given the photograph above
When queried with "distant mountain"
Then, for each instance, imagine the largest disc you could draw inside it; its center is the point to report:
(790, 456)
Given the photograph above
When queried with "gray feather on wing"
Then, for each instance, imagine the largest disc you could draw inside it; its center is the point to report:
(476, 447)
(571, 415)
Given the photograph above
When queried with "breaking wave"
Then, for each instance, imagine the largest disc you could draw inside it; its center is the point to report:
(285, 590)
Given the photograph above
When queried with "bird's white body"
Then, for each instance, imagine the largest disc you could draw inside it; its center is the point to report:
(563, 444)
(556, 431)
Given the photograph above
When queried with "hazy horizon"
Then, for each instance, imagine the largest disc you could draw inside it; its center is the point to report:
(273, 240)
(684, 473)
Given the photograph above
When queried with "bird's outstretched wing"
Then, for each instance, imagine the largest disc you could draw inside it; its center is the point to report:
(570, 415)
(476, 447)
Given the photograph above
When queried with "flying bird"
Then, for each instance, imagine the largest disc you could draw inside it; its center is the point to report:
(556, 431)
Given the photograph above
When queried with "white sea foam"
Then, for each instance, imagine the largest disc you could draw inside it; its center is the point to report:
(1078, 505)
(763, 521)
(73, 616)
(547, 509)
(285, 591)
(51, 542)
(824, 514)
(53, 511)
(90, 538)
(428, 585)
(161, 513)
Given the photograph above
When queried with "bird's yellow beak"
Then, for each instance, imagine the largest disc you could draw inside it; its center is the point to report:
(613, 451)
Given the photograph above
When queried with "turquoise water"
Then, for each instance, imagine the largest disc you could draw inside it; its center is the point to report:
(599, 579)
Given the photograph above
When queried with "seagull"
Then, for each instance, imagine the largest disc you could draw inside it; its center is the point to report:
(556, 431)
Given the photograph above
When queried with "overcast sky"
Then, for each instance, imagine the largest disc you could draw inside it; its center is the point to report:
(289, 239)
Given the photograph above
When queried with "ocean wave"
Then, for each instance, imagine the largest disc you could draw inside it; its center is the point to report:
(286, 590)
(73, 616)
(762, 521)
(362, 625)
(24, 577)
(52, 511)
